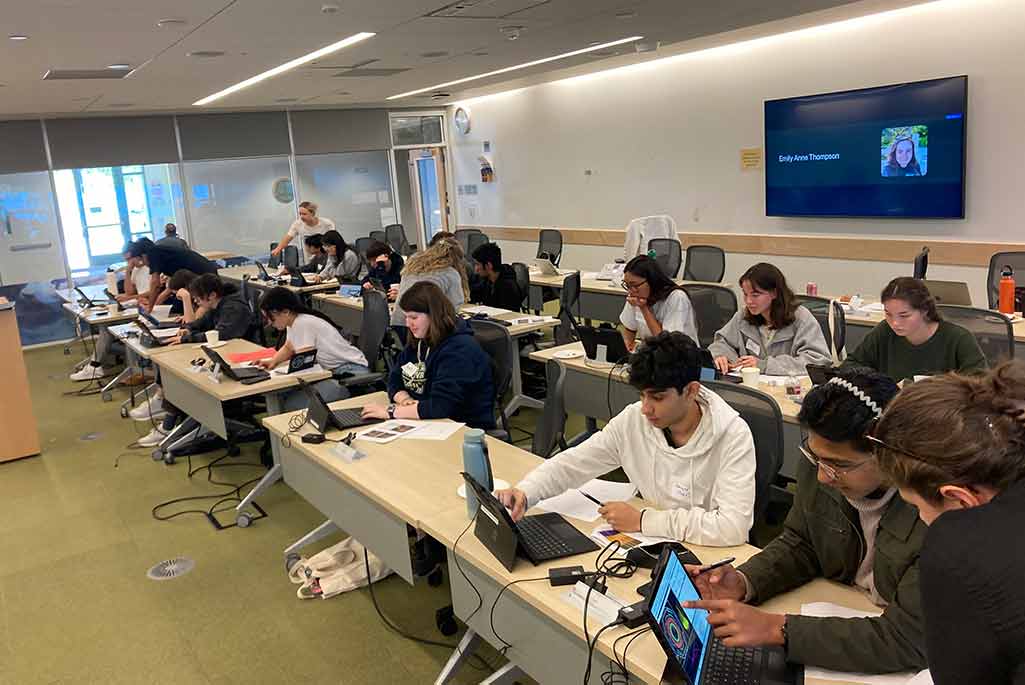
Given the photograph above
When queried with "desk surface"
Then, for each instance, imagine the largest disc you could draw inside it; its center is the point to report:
(789, 408)
(128, 333)
(95, 293)
(214, 255)
(875, 318)
(236, 273)
(178, 362)
(99, 316)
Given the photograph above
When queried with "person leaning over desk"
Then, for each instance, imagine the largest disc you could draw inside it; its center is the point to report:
(955, 446)
(771, 331)
(848, 525)
(689, 453)
(316, 257)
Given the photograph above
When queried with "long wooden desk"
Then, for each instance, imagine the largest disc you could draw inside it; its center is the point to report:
(861, 324)
(202, 398)
(412, 484)
(590, 390)
(235, 274)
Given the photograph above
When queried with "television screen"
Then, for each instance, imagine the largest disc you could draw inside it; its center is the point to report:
(893, 151)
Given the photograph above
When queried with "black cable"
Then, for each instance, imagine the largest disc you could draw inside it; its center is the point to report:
(591, 644)
(480, 600)
(610, 677)
(506, 645)
(233, 495)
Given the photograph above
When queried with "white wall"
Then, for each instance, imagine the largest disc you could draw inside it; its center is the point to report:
(666, 139)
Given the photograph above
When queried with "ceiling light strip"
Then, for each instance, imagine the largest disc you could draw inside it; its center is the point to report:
(299, 61)
(525, 65)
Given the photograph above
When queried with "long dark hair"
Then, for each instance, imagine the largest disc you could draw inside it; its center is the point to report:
(426, 298)
(282, 299)
(651, 271)
(914, 292)
(335, 238)
(767, 277)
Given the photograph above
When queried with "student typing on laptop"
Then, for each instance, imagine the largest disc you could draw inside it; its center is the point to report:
(683, 446)
(847, 525)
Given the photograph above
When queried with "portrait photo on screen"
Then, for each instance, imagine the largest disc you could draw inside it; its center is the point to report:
(905, 151)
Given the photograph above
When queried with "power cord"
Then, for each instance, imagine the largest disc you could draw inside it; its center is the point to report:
(506, 646)
(605, 567)
(232, 495)
(591, 644)
(610, 677)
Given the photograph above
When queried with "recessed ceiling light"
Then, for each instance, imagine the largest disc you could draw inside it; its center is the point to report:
(515, 67)
(434, 53)
(120, 65)
(280, 69)
(205, 53)
(18, 36)
(286, 99)
(121, 104)
(626, 14)
(170, 23)
(343, 92)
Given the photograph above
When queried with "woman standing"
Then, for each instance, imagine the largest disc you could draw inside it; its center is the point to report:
(308, 223)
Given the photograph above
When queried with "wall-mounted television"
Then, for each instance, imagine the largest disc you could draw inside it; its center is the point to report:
(893, 151)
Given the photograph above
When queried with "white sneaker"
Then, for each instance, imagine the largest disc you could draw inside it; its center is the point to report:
(153, 438)
(151, 409)
(87, 373)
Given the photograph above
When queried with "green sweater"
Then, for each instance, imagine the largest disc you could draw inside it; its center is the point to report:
(951, 348)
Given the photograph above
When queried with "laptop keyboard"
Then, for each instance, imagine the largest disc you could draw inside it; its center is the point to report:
(730, 666)
(539, 541)
(349, 418)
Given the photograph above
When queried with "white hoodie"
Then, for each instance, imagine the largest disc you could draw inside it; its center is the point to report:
(703, 492)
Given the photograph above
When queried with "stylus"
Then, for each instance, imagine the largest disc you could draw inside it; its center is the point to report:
(710, 567)
(590, 498)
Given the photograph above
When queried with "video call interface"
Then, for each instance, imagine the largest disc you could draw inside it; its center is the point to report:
(684, 631)
(894, 151)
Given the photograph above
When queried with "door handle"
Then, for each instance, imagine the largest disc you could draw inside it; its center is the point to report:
(25, 247)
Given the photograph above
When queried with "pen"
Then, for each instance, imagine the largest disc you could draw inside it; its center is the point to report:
(722, 562)
(590, 498)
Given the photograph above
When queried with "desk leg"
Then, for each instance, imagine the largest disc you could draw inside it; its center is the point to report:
(274, 407)
(507, 675)
(519, 398)
(318, 533)
(109, 387)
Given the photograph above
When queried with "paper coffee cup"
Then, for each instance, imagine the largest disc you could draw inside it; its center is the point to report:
(112, 309)
(750, 375)
(215, 336)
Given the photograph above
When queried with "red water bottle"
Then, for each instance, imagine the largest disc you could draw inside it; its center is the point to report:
(1006, 301)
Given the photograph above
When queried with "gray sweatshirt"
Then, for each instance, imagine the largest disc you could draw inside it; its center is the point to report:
(791, 349)
(447, 279)
(348, 270)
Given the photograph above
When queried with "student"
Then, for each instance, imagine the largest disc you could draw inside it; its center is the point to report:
(167, 260)
(914, 339)
(953, 444)
(441, 235)
(308, 223)
(771, 332)
(442, 264)
(385, 267)
(654, 303)
(682, 445)
(343, 262)
(316, 257)
(846, 525)
(171, 238)
(136, 279)
(442, 372)
(307, 329)
(498, 281)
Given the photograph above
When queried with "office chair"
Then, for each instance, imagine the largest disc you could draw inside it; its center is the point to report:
(374, 329)
(463, 238)
(714, 306)
(494, 339)
(704, 263)
(569, 298)
(668, 254)
(1015, 260)
(397, 239)
(762, 414)
(819, 308)
(921, 263)
(362, 245)
(992, 330)
(473, 241)
(549, 244)
(550, 431)
(379, 236)
(274, 261)
(522, 281)
(290, 257)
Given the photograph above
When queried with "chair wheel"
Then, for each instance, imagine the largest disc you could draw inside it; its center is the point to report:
(169, 459)
(157, 454)
(290, 561)
(124, 412)
(434, 579)
(234, 451)
(106, 397)
(67, 351)
(243, 520)
(445, 619)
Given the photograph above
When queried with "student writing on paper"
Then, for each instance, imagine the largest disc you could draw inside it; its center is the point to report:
(955, 446)
(385, 268)
(343, 262)
(498, 287)
(308, 223)
(304, 329)
(687, 450)
(442, 372)
(848, 525)
(654, 303)
(771, 331)
(914, 339)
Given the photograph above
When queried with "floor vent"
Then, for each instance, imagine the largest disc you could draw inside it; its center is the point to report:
(171, 568)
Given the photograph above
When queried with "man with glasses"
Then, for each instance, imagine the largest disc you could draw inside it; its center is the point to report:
(846, 525)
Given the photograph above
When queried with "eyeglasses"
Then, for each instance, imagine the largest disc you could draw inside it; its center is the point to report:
(877, 443)
(832, 472)
(633, 286)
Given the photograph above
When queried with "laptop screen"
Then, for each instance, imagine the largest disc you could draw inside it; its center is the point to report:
(683, 633)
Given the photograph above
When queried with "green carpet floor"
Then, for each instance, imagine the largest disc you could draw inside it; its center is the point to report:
(77, 537)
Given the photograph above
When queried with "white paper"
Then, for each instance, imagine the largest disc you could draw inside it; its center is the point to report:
(389, 430)
(483, 309)
(532, 320)
(435, 430)
(601, 609)
(573, 502)
(608, 491)
(828, 609)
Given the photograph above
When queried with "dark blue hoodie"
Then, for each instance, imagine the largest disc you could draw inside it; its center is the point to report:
(459, 384)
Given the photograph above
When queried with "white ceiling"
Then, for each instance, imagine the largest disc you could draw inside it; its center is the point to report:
(257, 35)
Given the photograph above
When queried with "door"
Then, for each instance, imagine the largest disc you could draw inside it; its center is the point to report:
(430, 191)
(114, 210)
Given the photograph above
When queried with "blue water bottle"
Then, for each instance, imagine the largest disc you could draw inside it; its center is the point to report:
(477, 464)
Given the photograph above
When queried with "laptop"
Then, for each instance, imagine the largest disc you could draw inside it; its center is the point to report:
(89, 302)
(245, 375)
(537, 538)
(820, 373)
(949, 292)
(149, 338)
(603, 344)
(323, 417)
(695, 655)
(546, 267)
(113, 300)
(263, 275)
(710, 373)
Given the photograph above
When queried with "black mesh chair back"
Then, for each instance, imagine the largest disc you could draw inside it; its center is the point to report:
(569, 297)
(522, 281)
(764, 418)
(374, 325)
(1015, 260)
(550, 430)
(704, 263)
(362, 245)
(921, 263)
(275, 260)
(549, 244)
(714, 306)
(819, 308)
(494, 339)
(379, 236)
(473, 241)
(290, 257)
(992, 330)
(668, 254)
(396, 236)
(463, 238)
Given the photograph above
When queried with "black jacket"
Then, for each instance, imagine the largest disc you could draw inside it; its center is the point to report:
(504, 293)
(314, 265)
(231, 319)
(390, 277)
